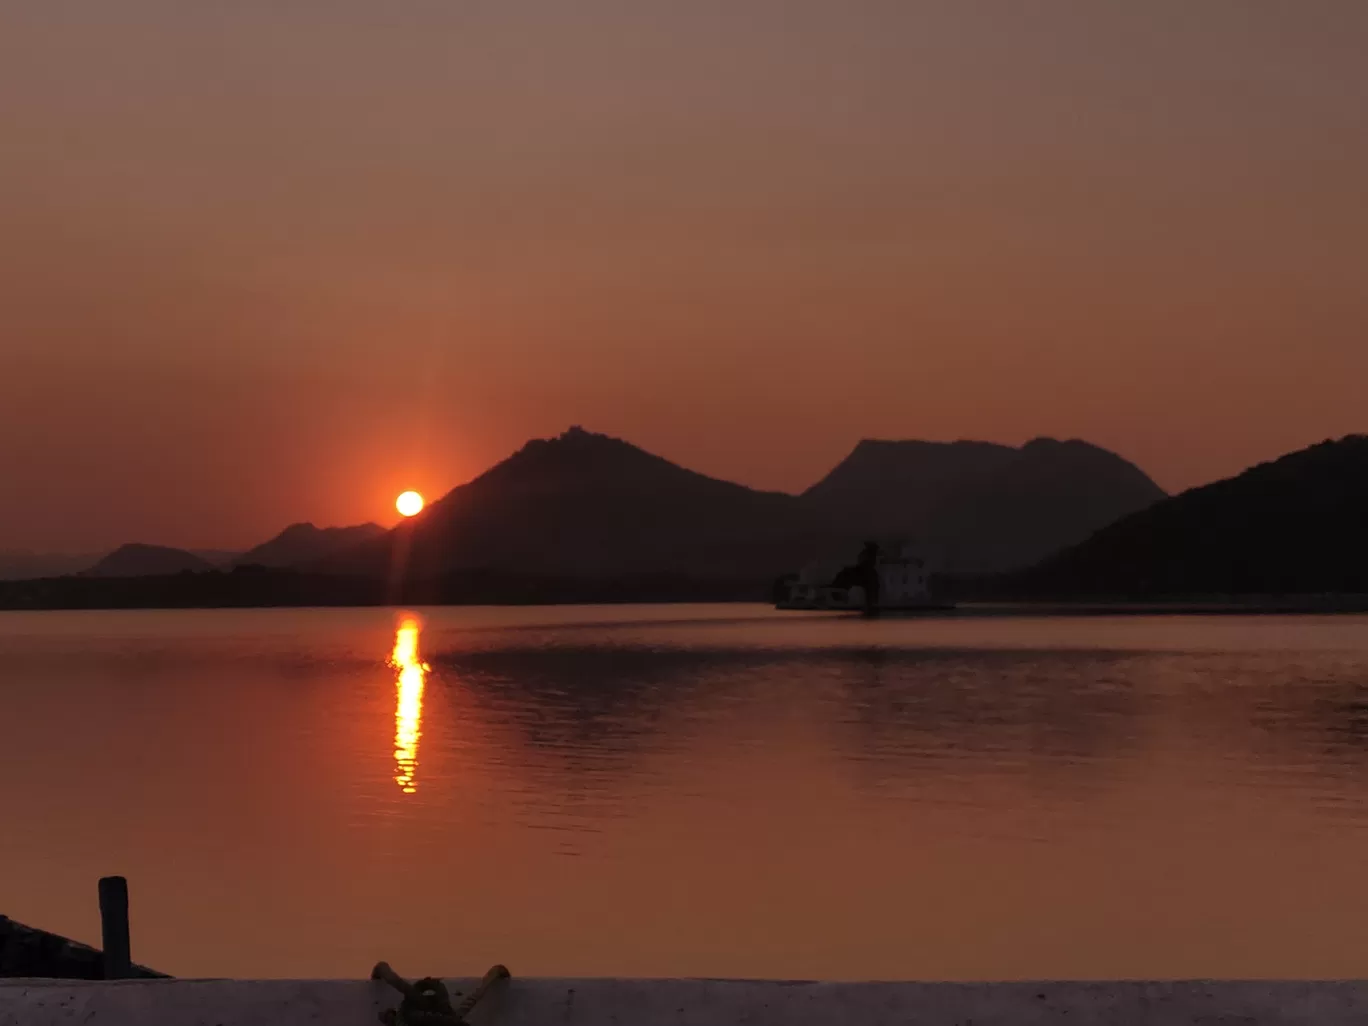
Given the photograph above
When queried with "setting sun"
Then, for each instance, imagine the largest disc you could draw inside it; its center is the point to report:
(409, 504)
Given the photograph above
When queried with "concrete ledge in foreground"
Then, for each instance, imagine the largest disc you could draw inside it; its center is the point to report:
(544, 1002)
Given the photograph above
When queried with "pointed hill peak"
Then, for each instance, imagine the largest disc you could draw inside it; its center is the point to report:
(578, 460)
(587, 504)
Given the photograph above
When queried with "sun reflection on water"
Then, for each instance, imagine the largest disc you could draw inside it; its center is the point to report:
(408, 709)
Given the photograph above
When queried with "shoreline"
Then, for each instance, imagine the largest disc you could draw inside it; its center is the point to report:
(1346, 605)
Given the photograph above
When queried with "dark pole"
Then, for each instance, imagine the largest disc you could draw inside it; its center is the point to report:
(118, 961)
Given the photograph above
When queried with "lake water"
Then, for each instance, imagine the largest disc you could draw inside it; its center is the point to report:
(692, 790)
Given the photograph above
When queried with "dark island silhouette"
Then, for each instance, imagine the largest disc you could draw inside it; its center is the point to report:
(588, 518)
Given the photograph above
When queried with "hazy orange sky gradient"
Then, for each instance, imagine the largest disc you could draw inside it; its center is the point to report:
(265, 262)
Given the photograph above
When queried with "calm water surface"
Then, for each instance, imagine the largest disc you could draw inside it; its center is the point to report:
(718, 791)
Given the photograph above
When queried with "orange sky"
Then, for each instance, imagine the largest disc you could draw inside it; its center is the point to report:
(270, 262)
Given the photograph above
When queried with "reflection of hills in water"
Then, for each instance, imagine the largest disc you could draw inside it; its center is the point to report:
(1058, 715)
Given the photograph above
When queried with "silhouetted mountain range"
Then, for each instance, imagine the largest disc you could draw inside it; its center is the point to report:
(588, 517)
(587, 505)
(22, 566)
(136, 560)
(1295, 526)
(304, 543)
(297, 544)
(977, 506)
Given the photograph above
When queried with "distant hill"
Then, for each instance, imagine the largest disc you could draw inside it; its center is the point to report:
(27, 566)
(1297, 525)
(304, 543)
(584, 504)
(134, 560)
(979, 506)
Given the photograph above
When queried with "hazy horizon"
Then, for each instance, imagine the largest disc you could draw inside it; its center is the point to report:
(265, 264)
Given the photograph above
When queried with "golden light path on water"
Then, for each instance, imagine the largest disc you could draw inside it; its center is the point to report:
(408, 709)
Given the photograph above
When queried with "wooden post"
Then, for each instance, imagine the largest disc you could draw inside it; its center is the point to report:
(118, 961)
